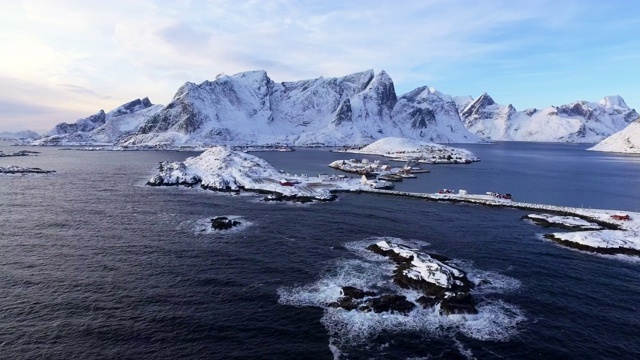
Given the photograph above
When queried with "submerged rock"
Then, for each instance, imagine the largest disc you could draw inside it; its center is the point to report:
(350, 295)
(355, 293)
(461, 303)
(388, 303)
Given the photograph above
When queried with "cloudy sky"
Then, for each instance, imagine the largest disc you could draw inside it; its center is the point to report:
(65, 59)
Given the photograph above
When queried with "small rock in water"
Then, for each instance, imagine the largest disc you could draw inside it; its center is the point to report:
(223, 223)
(388, 303)
(355, 293)
(461, 303)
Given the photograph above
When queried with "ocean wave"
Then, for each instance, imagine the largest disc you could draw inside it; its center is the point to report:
(495, 321)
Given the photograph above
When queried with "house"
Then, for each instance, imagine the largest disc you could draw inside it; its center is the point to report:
(622, 217)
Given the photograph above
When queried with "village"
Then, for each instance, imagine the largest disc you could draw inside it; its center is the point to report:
(377, 174)
(376, 168)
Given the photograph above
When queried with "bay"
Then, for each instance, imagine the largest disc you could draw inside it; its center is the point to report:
(96, 265)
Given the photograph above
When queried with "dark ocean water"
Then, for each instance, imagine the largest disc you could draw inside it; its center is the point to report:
(93, 264)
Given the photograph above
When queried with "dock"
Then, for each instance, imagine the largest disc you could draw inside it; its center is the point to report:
(602, 217)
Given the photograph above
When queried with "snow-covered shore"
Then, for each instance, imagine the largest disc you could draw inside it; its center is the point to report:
(420, 151)
(222, 169)
(621, 234)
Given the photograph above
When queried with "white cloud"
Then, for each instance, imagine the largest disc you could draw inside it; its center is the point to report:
(120, 50)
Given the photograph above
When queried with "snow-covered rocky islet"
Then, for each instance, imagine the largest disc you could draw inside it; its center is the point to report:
(13, 169)
(566, 222)
(618, 235)
(404, 149)
(221, 168)
(395, 285)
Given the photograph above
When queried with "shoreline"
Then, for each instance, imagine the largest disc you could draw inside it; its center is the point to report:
(476, 199)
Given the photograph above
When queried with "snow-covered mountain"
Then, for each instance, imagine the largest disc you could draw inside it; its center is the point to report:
(626, 140)
(250, 108)
(102, 128)
(578, 122)
(19, 135)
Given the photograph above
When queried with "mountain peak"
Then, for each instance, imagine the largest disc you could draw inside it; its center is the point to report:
(613, 101)
(382, 84)
(485, 100)
(476, 106)
(383, 76)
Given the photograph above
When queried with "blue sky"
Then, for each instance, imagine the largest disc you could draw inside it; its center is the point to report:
(62, 60)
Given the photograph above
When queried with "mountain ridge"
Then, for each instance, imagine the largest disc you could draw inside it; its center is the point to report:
(249, 108)
(576, 122)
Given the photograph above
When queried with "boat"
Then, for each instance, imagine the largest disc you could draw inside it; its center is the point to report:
(419, 171)
(390, 177)
(288, 182)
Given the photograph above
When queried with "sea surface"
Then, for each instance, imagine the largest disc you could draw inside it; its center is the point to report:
(94, 264)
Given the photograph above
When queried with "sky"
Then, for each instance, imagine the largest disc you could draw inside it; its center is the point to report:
(67, 59)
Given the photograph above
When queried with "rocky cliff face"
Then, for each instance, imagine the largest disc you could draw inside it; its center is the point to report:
(578, 122)
(250, 108)
(427, 114)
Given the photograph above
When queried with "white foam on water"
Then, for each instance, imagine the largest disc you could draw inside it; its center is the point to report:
(496, 320)
(467, 353)
(353, 272)
(203, 226)
(337, 354)
(620, 257)
(491, 282)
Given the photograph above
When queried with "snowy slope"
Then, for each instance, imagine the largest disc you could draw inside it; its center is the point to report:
(223, 169)
(250, 108)
(578, 122)
(102, 128)
(417, 149)
(26, 134)
(625, 141)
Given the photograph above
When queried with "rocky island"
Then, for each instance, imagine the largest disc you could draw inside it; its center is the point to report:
(18, 153)
(221, 168)
(221, 223)
(617, 235)
(403, 149)
(565, 222)
(23, 170)
(441, 284)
